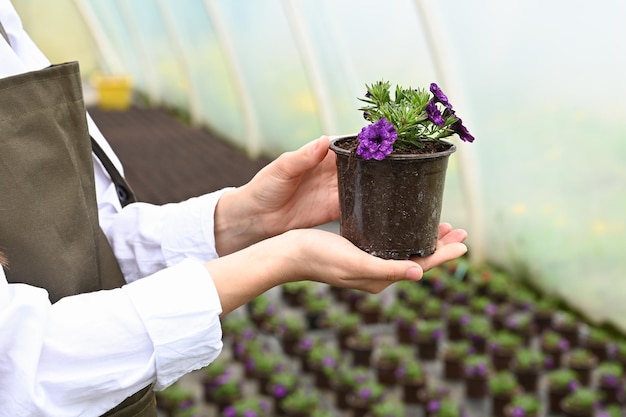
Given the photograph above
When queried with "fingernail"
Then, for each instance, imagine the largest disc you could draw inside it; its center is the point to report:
(414, 273)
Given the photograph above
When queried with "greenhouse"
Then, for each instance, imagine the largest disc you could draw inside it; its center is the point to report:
(251, 80)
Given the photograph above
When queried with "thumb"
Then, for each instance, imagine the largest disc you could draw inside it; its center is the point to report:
(295, 163)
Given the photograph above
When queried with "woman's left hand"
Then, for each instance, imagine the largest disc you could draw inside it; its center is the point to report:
(297, 190)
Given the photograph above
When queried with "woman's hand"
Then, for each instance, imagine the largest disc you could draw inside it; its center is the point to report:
(321, 256)
(297, 190)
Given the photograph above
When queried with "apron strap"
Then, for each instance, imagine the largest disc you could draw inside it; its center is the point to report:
(4, 33)
(124, 192)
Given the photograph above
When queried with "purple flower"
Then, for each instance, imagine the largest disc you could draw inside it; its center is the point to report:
(306, 343)
(328, 361)
(185, 404)
(549, 362)
(249, 413)
(462, 131)
(230, 411)
(480, 369)
(365, 393)
(265, 406)
(434, 114)
(279, 391)
(563, 344)
(240, 348)
(221, 380)
(433, 406)
(439, 96)
(609, 380)
(361, 378)
(572, 386)
(376, 140)
(512, 322)
(518, 412)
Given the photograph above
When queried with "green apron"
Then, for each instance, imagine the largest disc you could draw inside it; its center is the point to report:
(49, 226)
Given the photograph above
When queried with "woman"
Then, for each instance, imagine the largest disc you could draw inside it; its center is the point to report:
(90, 325)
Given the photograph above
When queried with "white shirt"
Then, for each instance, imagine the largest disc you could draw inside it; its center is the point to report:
(85, 354)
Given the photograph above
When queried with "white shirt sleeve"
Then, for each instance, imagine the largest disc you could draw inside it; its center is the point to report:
(145, 237)
(86, 353)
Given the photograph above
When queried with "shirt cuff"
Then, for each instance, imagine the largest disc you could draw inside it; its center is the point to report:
(180, 309)
(188, 229)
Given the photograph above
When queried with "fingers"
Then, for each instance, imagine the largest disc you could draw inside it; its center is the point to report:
(444, 229)
(452, 236)
(295, 163)
(443, 254)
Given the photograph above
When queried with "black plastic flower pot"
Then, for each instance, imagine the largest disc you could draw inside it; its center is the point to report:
(391, 208)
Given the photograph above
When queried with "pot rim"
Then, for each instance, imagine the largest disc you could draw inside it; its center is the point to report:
(340, 151)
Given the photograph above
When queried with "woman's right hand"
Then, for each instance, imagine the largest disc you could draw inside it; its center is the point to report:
(316, 255)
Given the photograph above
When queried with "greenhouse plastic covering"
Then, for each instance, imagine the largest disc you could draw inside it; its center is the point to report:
(539, 84)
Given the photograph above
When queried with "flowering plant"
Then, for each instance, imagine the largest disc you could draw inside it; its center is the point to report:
(583, 398)
(411, 370)
(264, 362)
(528, 358)
(566, 320)
(364, 339)
(401, 314)
(610, 374)
(482, 305)
(597, 336)
(478, 327)
(612, 410)
(413, 295)
(392, 408)
(301, 400)
(345, 322)
(215, 369)
(324, 355)
(545, 305)
(476, 366)
(225, 388)
(234, 325)
(248, 407)
(432, 308)
(175, 398)
(292, 325)
(502, 382)
(369, 391)
(348, 376)
(457, 349)
(429, 329)
(298, 287)
(551, 340)
(458, 314)
(523, 405)
(444, 408)
(581, 357)
(392, 353)
(282, 383)
(519, 321)
(563, 378)
(504, 340)
(410, 120)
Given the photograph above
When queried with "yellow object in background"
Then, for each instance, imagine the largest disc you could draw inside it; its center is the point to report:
(114, 92)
